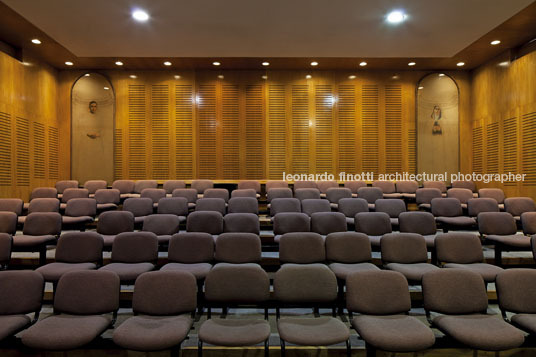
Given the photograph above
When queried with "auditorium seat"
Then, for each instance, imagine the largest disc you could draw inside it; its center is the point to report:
(83, 303)
(14, 205)
(40, 229)
(448, 212)
(238, 248)
(424, 197)
(382, 300)
(6, 244)
(71, 193)
(393, 207)
(440, 185)
(171, 185)
(302, 248)
(155, 194)
(324, 186)
(477, 205)
(278, 192)
(141, 185)
(210, 222)
(217, 193)
(41, 192)
(243, 205)
(139, 207)
(462, 250)
(306, 193)
(496, 193)
(241, 222)
(125, 187)
(407, 254)
(352, 206)
(310, 206)
(22, 293)
(62, 185)
(407, 189)
(250, 185)
(244, 192)
(460, 297)
(79, 212)
(354, 186)
(468, 185)
(388, 189)
(211, 204)
(107, 199)
(270, 184)
(422, 223)
(370, 194)
(462, 194)
(8, 222)
(177, 206)
(74, 251)
(192, 252)
(284, 205)
(189, 193)
(288, 222)
(201, 185)
(162, 303)
(334, 194)
(93, 185)
(304, 184)
(133, 253)
(163, 225)
(518, 205)
(374, 225)
(325, 223)
(111, 223)
(528, 223)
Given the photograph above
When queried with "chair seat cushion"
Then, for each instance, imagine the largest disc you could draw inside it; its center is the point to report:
(76, 220)
(106, 206)
(152, 333)
(342, 270)
(489, 272)
(53, 271)
(321, 331)
(128, 271)
(234, 332)
(30, 241)
(515, 240)
(412, 272)
(394, 333)
(65, 332)
(481, 332)
(462, 221)
(199, 270)
(11, 324)
(526, 321)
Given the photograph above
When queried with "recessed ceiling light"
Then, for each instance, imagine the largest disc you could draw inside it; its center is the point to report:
(140, 15)
(69, 63)
(36, 41)
(133, 76)
(441, 74)
(495, 42)
(118, 63)
(308, 76)
(216, 63)
(221, 76)
(314, 63)
(420, 87)
(460, 64)
(167, 63)
(412, 64)
(363, 64)
(87, 75)
(264, 77)
(396, 16)
(265, 63)
(177, 77)
(106, 88)
(351, 77)
(395, 76)
(504, 64)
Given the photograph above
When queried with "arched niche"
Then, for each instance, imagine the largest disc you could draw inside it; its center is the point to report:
(438, 125)
(92, 128)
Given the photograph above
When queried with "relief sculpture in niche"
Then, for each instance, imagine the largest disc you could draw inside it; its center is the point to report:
(436, 116)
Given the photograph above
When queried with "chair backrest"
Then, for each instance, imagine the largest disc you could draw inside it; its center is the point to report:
(528, 222)
(518, 205)
(516, 290)
(304, 184)
(404, 248)
(161, 224)
(278, 192)
(191, 248)
(468, 185)
(417, 222)
(378, 292)
(8, 222)
(279, 205)
(61, 186)
(11, 205)
(454, 292)
(496, 223)
(22, 292)
(302, 248)
(407, 186)
(373, 223)
(93, 185)
(249, 184)
(216, 193)
(202, 185)
(348, 247)
(238, 248)
(496, 193)
(44, 205)
(108, 196)
(141, 185)
(124, 186)
(115, 222)
(244, 192)
(355, 185)
(275, 184)
(44, 192)
(305, 283)
(328, 222)
(459, 247)
(79, 247)
(210, 222)
(135, 247)
(71, 193)
(463, 194)
(42, 223)
(314, 205)
(171, 185)
(138, 206)
(352, 206)
(385, 186)
(77, 207)
(173, 205)
(393, 207)
(236, 284)
(6, 244)
(87, 292)
(243, 205)
(335, 194)
(189, 193)
(241, 222)
(477, 205)
(446, 207)
(211, 204)
(306, 193)
(440, 185)
(324, 186)
(426, 195)
(370, 194)
(164, 293)
(288, 222)
(155, 194)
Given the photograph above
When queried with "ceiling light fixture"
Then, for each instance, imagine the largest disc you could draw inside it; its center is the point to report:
(495, 42)
(106, 88)
(504, 64)
(420, 87)
(308, 76)
(460, 64)
(216, 63)
(314, 63)
(396, 16)
(395, 76)
(411, 64)
(441, 74)
(69, 63)
(140, 15)
(133, 76)
(221, 76)
(177, 77)
(265, 63)
(264, 77)
(351, 77)
(363, 64)
(36, 41)
(118, 63)
(167, 63)
(87, 75)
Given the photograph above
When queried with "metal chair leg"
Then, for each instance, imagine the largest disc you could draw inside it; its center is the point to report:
(199, 348)
(282, 347)
(267, 347)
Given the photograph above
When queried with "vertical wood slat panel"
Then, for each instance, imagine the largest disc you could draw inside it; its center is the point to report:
(528, 153)
(136, 132)
(370, 127)
(393, 129)
(478, 150)
(160, 131)
(230, 132)
(324, 128)
(412, 151)
(22, 144)
(509, 139)
(207, 131)
(300, 129)
(118, 154)
(39, 157)
(277, 133)
(492, 148)
(254, 165)
(53, 153)
(184, 126)
(347, 121)
(5, 149)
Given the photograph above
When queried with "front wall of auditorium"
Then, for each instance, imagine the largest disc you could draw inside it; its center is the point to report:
(243, 126)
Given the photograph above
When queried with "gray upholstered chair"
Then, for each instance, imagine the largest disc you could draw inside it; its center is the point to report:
(238, 248)
(370, 194)
(191, 252)
(278, 192)
(40, 229)
(241, 222)
(496, 193)
(217, 193)
(171, 185)
(528, 223)
(79, 212)
(8, 222)
(62, 185)
(93, 185)
(477, 205)
(6, 244)
(41, 205)
(211, 204)
(210, 222)
(304, 184)
(155, 194)
(71, 193)
(141, 185)
(139, 207)
(325, 223)
(125, 187)
(302, 248)
(177, 206)
(288, 222)
(163, 225)
(279, 205)
(422, 223)
(407, 189)
(424, 197)
(388, 188)
(462, 194)
(313, 205)
(440, 185)
(374, 225)
(111, 223)
(201, 185)
(352, 206)
(250, 185)
(468, 185)
(306, 193)
(270, 184)
(393, 207)
(189, 193)
(243, 205)
(14, 205)
(518, 205)
(448, 212)
(107, 199)
(244, 192)
(354, 186)
(335, 194)
(324, 186)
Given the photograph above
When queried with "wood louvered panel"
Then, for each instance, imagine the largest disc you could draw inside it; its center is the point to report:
(22, 145)
(509, 138)
(39, 150)
(347, 113)
(230, 132)
(300, 129)
(207, 131)
(254, 133)
(160, 131)
(5, 149)
(412, 151)
(136, 132)
(477, 150)
(393, 129)
(118, 154)
(370, 130)
(528, 153)
(277, 132)
(184, 152)
(492, 148)
(53, 153)
(324, 128)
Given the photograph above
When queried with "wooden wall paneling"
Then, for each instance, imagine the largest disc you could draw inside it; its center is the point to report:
(492, 146)
(277, 131)
(137, 130)
(370, 128)
(478, 150)
(206, 120)
(254, 133)
(393, 128)
(160, 131)
(53, 153)
(118, 154)
(184, 131)
(325, 124)
(6, 144)
(230, 138)
(347, 123)
(39, 151)
(528, 149)
(509, 145)
(301, 122)
(22, 151)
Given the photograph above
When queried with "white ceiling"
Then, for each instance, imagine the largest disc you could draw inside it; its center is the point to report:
(269, 28)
